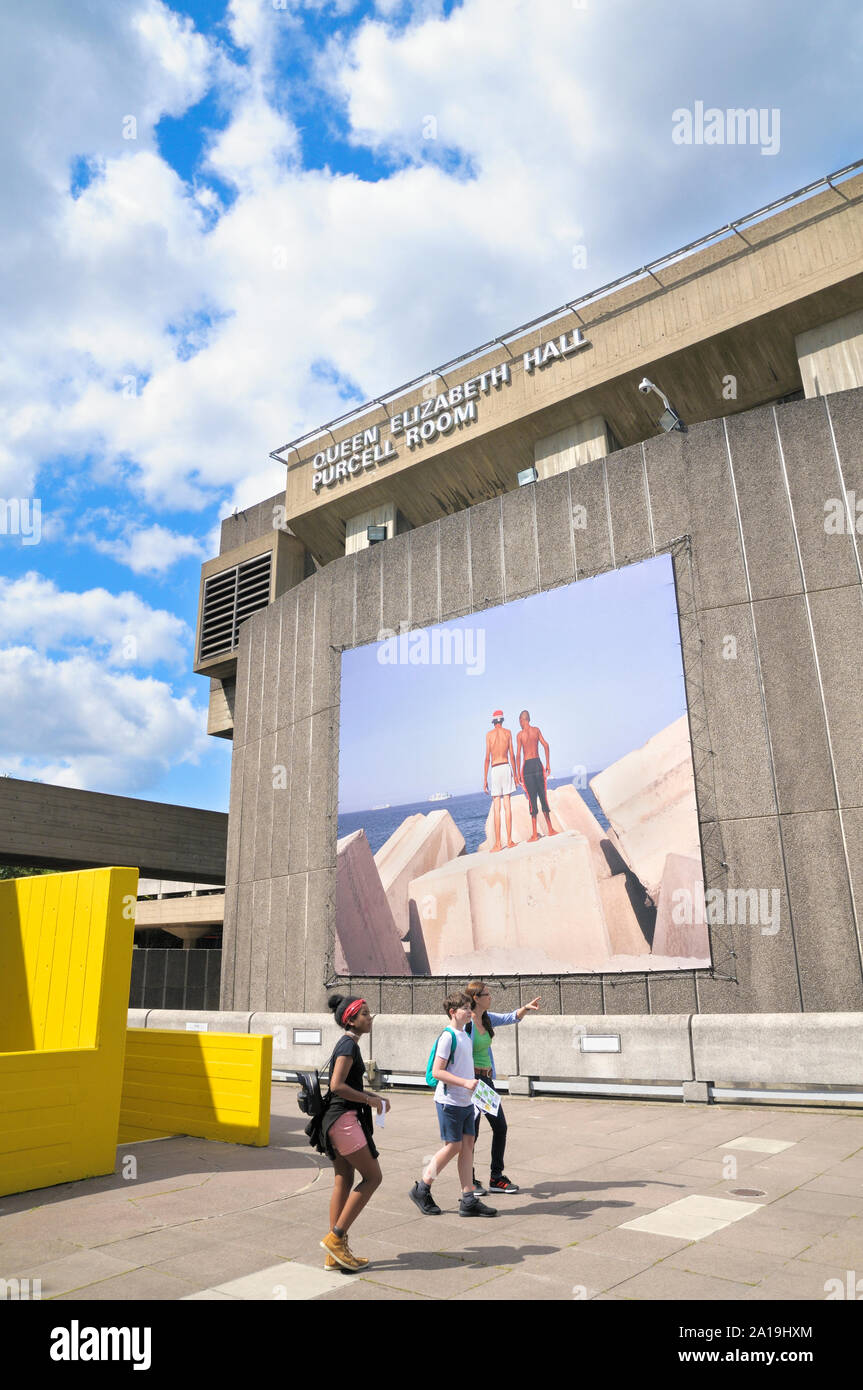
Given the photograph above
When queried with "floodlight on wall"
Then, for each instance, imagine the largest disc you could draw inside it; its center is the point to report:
(376, 534)
(527, 475)
(669, 419)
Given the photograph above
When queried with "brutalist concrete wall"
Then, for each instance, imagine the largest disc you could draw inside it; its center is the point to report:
(743, 503)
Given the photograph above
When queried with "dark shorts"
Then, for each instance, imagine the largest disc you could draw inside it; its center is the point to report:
(455, 1122)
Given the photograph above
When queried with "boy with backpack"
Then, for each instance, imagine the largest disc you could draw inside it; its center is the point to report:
(451, 1067)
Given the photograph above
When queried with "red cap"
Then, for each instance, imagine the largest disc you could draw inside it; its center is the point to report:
(498, 714)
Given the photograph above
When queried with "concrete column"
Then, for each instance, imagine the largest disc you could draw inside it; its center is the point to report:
(831, 357)
(569, 448)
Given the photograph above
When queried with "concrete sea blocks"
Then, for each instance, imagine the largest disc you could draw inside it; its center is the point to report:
(686, 938)
(419, 845)
(532, 909)
(649, 799)
(367, 940)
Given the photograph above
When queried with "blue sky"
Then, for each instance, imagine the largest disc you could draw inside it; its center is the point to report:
(597, 664)
(223, 221)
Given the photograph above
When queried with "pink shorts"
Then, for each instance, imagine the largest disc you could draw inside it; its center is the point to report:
(346, 1135)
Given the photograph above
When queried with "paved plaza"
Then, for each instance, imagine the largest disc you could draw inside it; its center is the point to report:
(620, 1200)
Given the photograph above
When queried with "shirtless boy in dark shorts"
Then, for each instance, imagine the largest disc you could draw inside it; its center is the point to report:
(531, 773)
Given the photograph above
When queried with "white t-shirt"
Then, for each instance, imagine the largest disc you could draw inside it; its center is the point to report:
(461, 1065)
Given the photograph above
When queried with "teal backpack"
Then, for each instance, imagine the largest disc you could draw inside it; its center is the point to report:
(432, 1080)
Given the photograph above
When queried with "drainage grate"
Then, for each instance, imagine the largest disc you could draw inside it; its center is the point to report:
(746, 1192)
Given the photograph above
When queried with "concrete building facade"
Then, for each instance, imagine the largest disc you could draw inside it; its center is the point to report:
(755, 341)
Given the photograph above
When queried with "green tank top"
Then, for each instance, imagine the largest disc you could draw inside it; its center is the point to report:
(481, 1049)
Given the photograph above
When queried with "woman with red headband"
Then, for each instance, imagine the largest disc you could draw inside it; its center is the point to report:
(346, 1132)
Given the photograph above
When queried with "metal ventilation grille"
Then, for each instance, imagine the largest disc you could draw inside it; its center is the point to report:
(229, 598)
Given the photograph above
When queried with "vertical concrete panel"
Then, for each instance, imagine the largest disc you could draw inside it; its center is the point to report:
(267, 775)
(319, 932)
(303, 661)
(813, 478)
(672, 994)
(301, 773)
(256, 651)
(425, 574)
(295, 944)
(326, 664)
(771, 554)
(395, 578)
(588, 503)
(667, 488)
(837, 621)
(486, 554)
(803, 777)
(628, 501)
(281, 833)
(396, 999)
(518, 515)
(581, 997)
(852, 821)
(243, 946)
(287, 660)
(342, 601)
(845, 411)
(554, 531)
(737, 732)
(272, 673)
(277, 948)
(235, 815)
(260, 944)
(229, 947)
(455, 580)
(625, 995)
(321, 827)
(251, 778)
(765, 964)
(720, 576)
(369, 570)
(827, 946)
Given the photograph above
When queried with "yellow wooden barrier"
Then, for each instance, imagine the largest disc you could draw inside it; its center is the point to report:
(212, 1085)
(65, 965)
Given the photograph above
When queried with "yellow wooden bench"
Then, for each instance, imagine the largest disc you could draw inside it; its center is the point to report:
(212, 1085)
(65, 965)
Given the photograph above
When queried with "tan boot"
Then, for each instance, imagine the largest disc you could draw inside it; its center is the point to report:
(359, 1258)
(337, 1247)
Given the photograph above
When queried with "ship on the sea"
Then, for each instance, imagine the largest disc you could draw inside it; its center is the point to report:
(440, 796)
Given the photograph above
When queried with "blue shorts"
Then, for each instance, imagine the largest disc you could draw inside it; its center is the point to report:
(455, 1122)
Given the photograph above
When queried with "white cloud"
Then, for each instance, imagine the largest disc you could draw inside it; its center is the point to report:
(149, 549)
(124, 630)
(75, 724)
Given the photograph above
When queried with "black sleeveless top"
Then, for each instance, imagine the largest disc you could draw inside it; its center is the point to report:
(338, 1105)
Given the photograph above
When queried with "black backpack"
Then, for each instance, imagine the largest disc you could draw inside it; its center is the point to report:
(314, 1103)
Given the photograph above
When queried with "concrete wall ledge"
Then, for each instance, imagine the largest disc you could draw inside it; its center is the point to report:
(728, 1050)
(779, 1049)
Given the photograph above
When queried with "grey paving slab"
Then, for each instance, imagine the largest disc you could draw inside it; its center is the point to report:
(145, 1284)
(666, 1282)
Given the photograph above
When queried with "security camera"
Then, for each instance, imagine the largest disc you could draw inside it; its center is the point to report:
(669, 419)
(646, 386)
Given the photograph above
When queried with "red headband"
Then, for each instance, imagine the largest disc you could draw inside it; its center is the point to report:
(352, 1010)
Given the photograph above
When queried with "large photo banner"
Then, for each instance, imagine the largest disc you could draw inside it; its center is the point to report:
(516, 793)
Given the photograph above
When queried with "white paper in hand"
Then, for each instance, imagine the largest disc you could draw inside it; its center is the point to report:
(379, 1118)
(486, 1099)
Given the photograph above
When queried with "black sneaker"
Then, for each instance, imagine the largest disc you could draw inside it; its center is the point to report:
(474, 1207)
(502, 1184)
(479, 1190)
(424, 1200)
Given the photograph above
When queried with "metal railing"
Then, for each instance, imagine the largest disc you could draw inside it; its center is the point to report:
(570, 307)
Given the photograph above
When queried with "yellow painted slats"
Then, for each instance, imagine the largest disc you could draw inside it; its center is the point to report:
(213, 1085)
(64, 983)
(53, 961)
